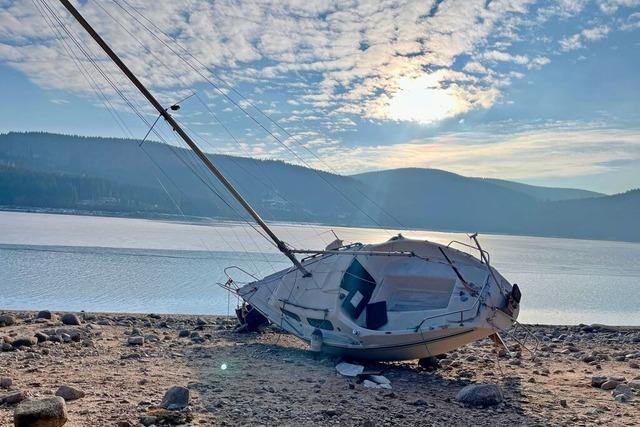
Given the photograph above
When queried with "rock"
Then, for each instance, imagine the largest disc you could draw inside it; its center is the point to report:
(44, 314)
(151, 338)
(13, 397)
(480, 395)
(563, 403)
(589, 359)
(40, 337)
(7, 320)
(135, 341)
(379, 379)
(176, 397)
(349, 369)
(622, 389)
(623, 398)
(429, 363)
(370, 384)
(69, 393)
(332, 412)
(24, 342)
(635, 385)
(70, 319)
(6, 382)
(164, 416)
(7, 347)
(148, 420)
(597, 381)
(183, 333)
(50, 412)
(609, 385)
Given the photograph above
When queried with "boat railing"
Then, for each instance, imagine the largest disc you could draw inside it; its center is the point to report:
(522, 335)
(475, 248)
(475, 306)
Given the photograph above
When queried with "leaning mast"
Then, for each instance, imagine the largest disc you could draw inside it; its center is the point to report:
(178, 129)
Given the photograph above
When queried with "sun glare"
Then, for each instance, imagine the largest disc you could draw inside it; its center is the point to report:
(422, 100)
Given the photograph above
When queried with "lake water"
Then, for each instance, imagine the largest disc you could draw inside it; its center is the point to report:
(69, 262)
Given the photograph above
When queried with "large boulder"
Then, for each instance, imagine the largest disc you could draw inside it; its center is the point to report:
(44, 314)
(7, 320)
(480, 395)
(69, 393)
(70, 319)
(175, 398)
(50, 412)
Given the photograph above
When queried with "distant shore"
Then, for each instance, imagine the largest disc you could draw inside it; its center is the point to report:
(124, 363)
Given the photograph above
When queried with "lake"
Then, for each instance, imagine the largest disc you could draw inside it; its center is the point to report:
(92, 263)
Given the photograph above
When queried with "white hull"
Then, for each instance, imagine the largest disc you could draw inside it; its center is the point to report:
(366, 305)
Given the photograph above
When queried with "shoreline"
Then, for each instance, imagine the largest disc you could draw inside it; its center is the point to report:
(602, 326)
(206, 221)
(272, 379)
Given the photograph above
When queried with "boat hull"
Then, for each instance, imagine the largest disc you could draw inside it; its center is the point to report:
(410, 351)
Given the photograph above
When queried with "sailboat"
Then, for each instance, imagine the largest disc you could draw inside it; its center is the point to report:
(397, 300)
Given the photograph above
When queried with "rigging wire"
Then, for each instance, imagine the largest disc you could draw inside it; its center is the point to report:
(97, 90)
(227, 130)
(237, 105)
(84, 50)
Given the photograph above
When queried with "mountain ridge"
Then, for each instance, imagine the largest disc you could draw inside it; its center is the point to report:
(42, 170)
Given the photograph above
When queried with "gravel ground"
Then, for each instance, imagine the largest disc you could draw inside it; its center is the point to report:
(271, 379)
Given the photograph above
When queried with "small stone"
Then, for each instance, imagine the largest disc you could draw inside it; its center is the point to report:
(480, 395)
(623, 398)
(332, 412)
(176, 397)
(597, 381)
(429, 363)
(622, 389)
(183, 333)
(24, 342)
(50, 412)
(40, 337)
(148, 420)
(13, 397)
(7, 320)
(6, 382)
(69, 393)
(609, 385)
(370, 384)
(44, 314)
(563, 403)
(70, 319)
(135, 341)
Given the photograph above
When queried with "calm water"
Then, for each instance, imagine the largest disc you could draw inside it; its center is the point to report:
(67, 262)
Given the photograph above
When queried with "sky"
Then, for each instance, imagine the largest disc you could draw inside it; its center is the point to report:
(546, 93)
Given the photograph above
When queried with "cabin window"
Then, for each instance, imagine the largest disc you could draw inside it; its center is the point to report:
(359, 285)
(320, 324)
(290, 314)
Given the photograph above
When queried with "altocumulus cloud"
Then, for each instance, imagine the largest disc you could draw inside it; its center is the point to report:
(342, 63)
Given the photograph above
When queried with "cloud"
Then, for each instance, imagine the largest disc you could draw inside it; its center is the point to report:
(553, 150)
(354, 55)
(577, 41)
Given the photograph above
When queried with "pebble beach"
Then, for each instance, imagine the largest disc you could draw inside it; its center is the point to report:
(123, 370)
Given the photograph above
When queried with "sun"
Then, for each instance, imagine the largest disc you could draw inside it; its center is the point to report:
(422, 100)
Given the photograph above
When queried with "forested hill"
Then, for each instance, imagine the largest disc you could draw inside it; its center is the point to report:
(50, 171)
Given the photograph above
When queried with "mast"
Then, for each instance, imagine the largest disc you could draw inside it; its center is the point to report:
(178, 129)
